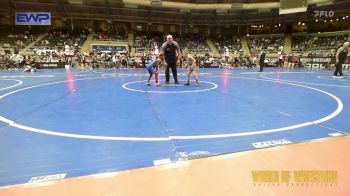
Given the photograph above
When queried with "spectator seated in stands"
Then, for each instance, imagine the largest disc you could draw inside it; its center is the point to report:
(113, 34)
(195, 43)
(322, 45)
(16, 41)
(60, 39)
(232, 43)
(147, 42)
(272, 44)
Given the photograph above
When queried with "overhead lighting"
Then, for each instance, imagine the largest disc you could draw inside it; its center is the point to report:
(156, 2)
(247, 35)
(236, 5)
(324, 3)
(279, 24)
(76, 2)
(316, 20)
(325, 20)
(303, 24)
(331, 20)
(299, 23)
(264, 10)
(337, 19)
(131, 6)
(319, 32)
(221, 11)
(185, 10)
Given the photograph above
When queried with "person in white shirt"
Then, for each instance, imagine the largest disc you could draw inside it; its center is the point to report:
(114, 60)
(280, 58)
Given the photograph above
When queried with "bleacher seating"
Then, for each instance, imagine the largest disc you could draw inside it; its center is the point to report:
(146, 42)
(117, 34)
(18, 40)
(232, 43)
(317, 43)
(57, 39)
(271, 44)
(195, 43)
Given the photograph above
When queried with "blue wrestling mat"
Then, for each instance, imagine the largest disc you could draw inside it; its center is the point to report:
(84, 122)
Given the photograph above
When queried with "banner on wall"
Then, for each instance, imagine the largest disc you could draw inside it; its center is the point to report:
(321, 61)
(50, 65)
(33, 18)
(317, 61)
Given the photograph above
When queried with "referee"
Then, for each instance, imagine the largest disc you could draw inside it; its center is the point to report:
(262, 57)
(171, 50)
(341, 56)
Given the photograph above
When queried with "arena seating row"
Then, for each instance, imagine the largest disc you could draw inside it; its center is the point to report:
(195, 43)
(11, 40)
(232, 43)
(57, 39)
(146, 42)
(317, 43)
(270, 44)
(112, 34)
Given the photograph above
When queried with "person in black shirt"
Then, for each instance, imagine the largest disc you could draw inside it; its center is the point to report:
(143, 60)
(290, 60)
(262, 60)
(341, 56)
(171, 50)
